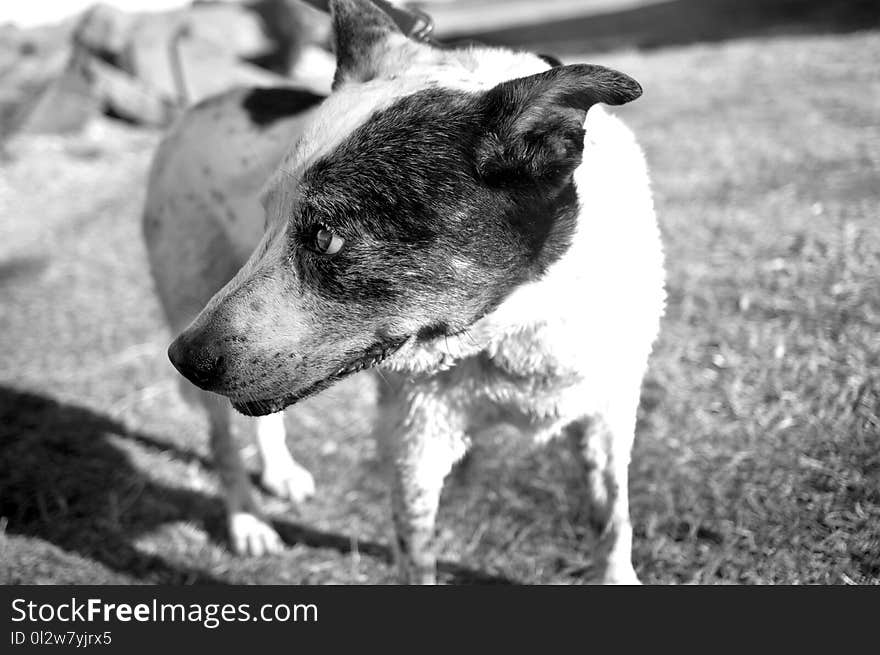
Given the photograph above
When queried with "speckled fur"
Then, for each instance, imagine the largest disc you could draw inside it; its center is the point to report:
(562, 354)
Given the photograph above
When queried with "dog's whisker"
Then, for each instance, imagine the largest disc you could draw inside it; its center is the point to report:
(384, 379)
(467, 333)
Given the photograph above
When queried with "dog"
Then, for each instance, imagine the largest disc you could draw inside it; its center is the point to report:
(469, 222)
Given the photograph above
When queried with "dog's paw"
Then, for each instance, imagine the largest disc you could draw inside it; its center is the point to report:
(620, 575)
(288, 480)
(252, 536)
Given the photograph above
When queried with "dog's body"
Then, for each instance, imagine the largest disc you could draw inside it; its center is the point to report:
(525, 285)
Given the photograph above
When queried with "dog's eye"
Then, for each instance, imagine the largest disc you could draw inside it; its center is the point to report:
(327, 242)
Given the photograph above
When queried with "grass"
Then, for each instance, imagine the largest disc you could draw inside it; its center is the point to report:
(757, 458)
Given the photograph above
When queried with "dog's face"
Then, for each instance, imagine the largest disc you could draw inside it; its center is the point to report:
(429, 185)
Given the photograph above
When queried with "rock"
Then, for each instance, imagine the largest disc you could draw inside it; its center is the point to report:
(30, 61)
(224, 34)
(104, 31)
(65, 104)
(125, 96)
(145, 67)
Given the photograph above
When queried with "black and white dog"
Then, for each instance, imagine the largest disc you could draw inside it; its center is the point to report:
(468, 220)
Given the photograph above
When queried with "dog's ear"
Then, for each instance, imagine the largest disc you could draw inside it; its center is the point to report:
(362, 35)
(534, 125)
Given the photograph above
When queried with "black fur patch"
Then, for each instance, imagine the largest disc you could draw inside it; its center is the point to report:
(431, 332)
(421, 225)
(550, 59)
(265, 105)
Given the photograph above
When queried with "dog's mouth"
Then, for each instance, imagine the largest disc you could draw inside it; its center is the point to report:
(365, 359)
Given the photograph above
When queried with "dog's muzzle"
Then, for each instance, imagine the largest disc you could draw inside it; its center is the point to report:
(358, 362)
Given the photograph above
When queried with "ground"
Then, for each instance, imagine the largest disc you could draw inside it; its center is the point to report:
(757, 458)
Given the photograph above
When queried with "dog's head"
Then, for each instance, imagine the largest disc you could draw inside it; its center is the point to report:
(427, 187)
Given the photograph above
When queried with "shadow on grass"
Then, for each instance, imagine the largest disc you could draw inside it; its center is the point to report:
(15, 268)
(64, 481)
(681, 22)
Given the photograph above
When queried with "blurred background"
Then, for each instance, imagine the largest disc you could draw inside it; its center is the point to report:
(757, 457)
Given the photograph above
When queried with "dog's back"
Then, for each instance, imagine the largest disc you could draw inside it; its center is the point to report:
(203, 217)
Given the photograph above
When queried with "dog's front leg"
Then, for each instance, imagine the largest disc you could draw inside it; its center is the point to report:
(419, 451)
(250, 535)
(282, 475)
(604, 441)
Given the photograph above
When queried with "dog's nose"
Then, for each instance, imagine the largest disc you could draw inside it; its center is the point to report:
(197, 361)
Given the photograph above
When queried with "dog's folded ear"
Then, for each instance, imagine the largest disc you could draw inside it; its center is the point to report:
(534, 125)
(362, 33)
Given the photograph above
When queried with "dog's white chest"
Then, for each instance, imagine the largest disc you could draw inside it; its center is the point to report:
(518, 383)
